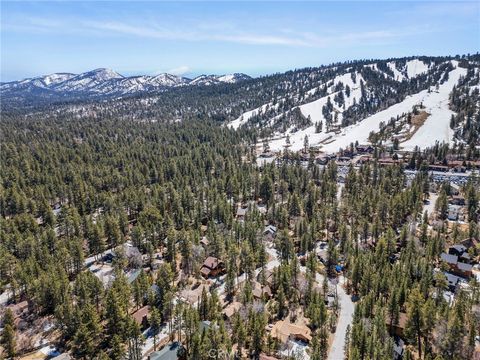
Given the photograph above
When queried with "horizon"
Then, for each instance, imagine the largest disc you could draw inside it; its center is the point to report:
(252, 76)
(194, 38)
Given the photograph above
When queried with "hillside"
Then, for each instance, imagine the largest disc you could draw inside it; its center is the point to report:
(329, 107)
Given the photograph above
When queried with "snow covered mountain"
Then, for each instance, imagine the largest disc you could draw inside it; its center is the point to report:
(102, 83)
(402, 103)
(216, 79)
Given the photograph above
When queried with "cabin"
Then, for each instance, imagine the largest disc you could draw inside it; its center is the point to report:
(457, 267)
(231, 309)
(260, 292)
(364, 149)
(241, 212)
(452, 281)
(141, 316)
(204, 242)
(270, 229)
(285, 331)
(19, 309)
(397, 329)
(211, 267)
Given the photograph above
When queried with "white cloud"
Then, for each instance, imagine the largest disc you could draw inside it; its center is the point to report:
(221, 32)
(179, 70)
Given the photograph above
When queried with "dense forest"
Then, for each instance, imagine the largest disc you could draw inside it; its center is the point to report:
(72, 189)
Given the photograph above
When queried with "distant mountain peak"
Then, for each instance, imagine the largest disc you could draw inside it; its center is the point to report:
(102, 74)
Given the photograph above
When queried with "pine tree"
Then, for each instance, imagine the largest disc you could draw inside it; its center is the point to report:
(8, 334)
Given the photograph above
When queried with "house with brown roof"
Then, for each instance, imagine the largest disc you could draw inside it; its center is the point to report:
(19, 309)
(285, 331)
(231, 309)
(399, 327)
(141, 316)
(204, 242)
(260, 292)
(211, 267)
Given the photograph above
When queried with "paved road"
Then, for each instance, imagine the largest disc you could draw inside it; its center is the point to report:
(430, 207)
(347, 307)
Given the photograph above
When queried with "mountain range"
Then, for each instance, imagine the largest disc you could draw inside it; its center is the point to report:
(104, 83)
(401, 102)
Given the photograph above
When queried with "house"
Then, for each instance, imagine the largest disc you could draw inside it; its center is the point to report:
(364, 159)
(270, 229)
(285, 331)
(460, 250)
(397, 329)
(211, 267)
(387, 162)
(260, 292)
(204, 242)
(241, 212)
(362, 149)
(457, 249)
(344, 160)
(268, 277)
(452, 280)
(451, 260)
(457, 267)
(464, 269)
(452, 214)
(19, 309)
(231, 309)
(132, 254)
(171, 351)
(141, 316)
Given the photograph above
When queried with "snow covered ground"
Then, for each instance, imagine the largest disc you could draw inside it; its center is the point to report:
(235, 124)
(314, 108)
(397, 75)
(416, 67)
(296, 350)
(436, 127)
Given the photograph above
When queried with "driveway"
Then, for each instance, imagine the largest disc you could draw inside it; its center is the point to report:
(347, 307)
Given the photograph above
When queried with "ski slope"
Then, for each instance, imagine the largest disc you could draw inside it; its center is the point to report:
(436, 127)
(416, 67)
(243, 119)
(314, 108)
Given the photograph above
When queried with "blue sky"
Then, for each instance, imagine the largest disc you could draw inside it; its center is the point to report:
(257, 37)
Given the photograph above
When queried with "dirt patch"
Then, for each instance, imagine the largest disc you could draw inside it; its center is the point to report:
(417, 122)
